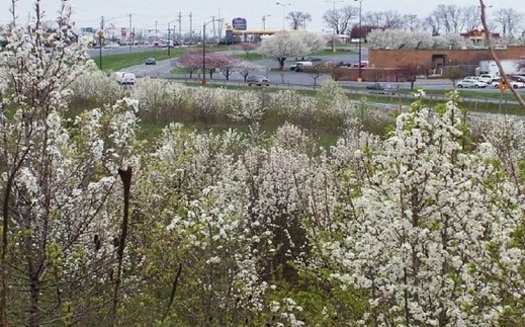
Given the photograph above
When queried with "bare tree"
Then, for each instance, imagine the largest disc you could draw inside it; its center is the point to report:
(340, 19)
(392, 19)
(471, 17)
(451, 16)
(509, 19)
(410, 72)
(411, 22)
(298, 19)
(454, 74)
(432, 23)
(385, 19)
(373, 18)
(316, 71)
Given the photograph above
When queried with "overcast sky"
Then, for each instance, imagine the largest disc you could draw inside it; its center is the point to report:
(148, 13)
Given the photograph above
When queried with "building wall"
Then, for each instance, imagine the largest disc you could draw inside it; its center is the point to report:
(380, 58)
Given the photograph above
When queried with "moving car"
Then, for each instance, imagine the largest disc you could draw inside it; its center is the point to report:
(519, 78)
(488, 78)
(150, 61)
(515, 84)
(125, 78)
(473, 83)
(381, 88)
(300, 65)
(257, 80)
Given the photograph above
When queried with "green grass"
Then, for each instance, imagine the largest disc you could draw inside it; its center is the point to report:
(252, 56)
(124, 60)
(472, 101)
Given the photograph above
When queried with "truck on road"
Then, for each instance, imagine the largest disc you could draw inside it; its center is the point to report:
(510, 67)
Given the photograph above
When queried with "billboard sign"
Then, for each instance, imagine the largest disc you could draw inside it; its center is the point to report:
(239, 23)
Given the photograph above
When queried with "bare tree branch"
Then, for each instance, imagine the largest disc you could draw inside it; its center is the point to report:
(495, 57)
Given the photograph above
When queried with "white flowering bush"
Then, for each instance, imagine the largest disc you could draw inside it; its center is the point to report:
(424, 227)
(94, 88)
(420, 226)
(59, 181)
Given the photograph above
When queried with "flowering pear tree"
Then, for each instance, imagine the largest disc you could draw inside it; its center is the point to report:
(282, 45)
(429, 220)
(401, 39)
(313, 41)
(58, 181)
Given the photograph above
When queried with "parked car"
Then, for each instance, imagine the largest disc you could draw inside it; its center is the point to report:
(471, 83)
(312, 59)
(150, 61)
(518, 78)
(381, 88)
(488, 78)
(513, 83)
(257, 80)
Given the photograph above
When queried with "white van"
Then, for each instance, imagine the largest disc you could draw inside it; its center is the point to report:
(125, 78)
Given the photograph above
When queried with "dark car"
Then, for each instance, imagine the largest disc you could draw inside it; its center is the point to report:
(381, 88)
(150, 61)
(258, 80)
(312, 59)
(518, 78)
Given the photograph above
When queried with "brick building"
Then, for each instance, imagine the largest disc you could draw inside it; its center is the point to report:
(436, 58)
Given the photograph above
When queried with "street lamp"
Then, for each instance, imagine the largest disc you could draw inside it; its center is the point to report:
(203, 80)
(100, 34)
(264, 21)
(333, 36)
(283, 5)
(359, 77)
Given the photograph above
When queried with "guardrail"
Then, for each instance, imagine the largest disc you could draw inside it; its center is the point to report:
(347, 86)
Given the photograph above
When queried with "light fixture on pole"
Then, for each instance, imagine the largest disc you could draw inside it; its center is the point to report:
(203, 80)
(283, 5)
(100, 34)
(264, 21)
(170, 38)
(359, 77)
(336, 23)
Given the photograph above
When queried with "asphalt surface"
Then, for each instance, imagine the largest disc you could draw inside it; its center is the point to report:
(286, 78)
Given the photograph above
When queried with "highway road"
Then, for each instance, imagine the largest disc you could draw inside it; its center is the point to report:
(286, 77)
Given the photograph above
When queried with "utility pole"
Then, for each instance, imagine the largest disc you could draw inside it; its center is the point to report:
(191, 30)
(100, 36)
(129, 37)
(180, 28)
(169, 40)
(335, 25)
(156, 29)
(219, 26)
(264, 21)
(214, 30)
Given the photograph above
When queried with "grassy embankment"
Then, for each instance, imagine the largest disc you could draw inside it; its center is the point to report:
(477, 101)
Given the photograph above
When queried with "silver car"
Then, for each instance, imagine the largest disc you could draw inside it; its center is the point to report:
(471, 83)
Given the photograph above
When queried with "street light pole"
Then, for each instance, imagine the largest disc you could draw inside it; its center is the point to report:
(100, 36)
(169, 40)
(264, 21)
(335, 25)
(283, 5)
(359, 77)
(203, 80)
